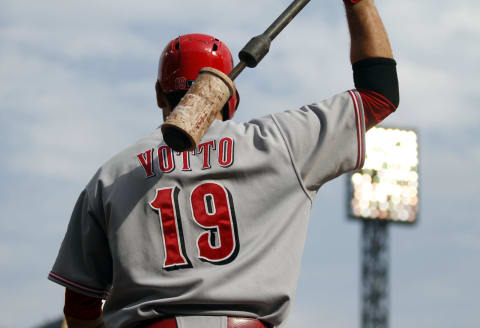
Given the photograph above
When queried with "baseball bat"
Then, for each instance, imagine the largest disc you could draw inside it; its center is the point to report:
(189, 121)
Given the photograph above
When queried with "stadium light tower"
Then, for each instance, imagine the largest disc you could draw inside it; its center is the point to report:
(384, 191)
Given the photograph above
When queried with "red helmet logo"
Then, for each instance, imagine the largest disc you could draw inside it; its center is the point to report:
(183, 57)
(180, 83)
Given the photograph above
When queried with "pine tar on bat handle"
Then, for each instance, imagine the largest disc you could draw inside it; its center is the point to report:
(258, 46)
(189, 121)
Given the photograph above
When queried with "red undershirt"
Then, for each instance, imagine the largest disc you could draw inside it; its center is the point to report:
(375, 107)
(81, 307)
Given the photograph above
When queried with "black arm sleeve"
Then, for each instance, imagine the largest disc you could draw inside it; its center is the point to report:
(379, 75)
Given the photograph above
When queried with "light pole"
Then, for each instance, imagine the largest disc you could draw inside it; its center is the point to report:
(384, 191)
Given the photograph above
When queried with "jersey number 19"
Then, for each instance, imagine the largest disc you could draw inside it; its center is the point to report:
(212, 209)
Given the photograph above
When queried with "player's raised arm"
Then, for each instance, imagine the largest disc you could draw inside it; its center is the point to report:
(371, 55)
(368, 34)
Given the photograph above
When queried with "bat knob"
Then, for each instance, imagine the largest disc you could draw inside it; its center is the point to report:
(177, 139)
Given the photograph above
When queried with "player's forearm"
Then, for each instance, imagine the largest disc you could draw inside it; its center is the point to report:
(82, 311)
(77, 323)
(368, 35)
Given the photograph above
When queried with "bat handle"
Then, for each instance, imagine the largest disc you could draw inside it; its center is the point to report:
(285, 18)
(237, 70)
(258, 46)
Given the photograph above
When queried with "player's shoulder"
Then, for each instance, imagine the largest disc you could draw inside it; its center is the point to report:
(126, 159)
(251, 126)
(261, 129)
(317, 112)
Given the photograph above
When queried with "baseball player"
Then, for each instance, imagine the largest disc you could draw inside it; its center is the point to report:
(212, 238)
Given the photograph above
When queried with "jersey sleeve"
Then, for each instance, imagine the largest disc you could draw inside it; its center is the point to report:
(325, 139)
(84, 263)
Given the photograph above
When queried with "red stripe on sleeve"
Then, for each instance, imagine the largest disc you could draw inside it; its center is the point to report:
(375, 107)
(360, 131)
(68, 283)
(81, 307)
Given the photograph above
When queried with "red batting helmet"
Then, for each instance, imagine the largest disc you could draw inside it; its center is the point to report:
(182, 59)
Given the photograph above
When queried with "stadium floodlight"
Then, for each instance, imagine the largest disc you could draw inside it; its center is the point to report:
(386, 188)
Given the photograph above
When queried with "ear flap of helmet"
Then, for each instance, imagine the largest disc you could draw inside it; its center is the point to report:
(161, 97)
(231, 107)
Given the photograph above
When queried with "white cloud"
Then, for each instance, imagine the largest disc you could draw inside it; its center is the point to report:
(65, 120)
(437, 49)
(23, 299)
(450, 173)
(432, 98)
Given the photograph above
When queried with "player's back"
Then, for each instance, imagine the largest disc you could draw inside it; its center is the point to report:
(218, 230)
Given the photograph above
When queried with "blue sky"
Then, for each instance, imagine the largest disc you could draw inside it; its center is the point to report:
(77, 86)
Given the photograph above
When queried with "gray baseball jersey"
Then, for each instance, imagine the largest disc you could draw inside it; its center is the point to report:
(215, 232)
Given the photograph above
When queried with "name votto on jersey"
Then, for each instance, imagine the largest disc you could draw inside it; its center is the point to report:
(165, 160)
